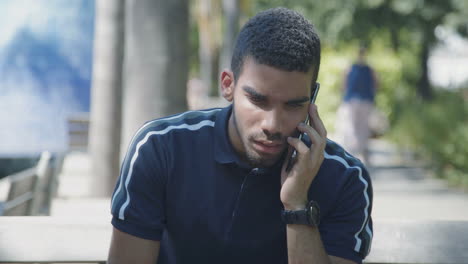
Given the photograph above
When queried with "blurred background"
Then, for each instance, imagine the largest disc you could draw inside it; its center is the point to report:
(45, 73)
(78, 77)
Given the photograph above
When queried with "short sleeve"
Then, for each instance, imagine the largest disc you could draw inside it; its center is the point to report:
(138, 202)
(346, 231)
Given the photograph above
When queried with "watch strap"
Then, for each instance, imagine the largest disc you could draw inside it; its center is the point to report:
(299, 217)
(308, 216)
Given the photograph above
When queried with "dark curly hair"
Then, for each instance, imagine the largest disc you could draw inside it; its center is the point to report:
(280, 38)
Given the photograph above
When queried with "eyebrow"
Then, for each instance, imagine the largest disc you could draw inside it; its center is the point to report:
(254, 93)
(261, 97)
(299, 100)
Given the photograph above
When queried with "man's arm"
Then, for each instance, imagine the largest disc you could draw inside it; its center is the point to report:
(138, 202)
(305, 246)
(304, 242)
(128, 249)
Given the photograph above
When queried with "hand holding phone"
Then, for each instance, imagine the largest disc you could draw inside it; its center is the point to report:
(293, 157)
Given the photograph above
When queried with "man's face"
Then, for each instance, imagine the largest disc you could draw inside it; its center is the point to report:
(268, 105)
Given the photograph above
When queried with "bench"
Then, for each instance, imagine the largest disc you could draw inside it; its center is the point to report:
(87, 240)
(30, 191)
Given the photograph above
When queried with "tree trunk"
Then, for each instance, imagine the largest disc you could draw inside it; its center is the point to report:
(209, 28)
(106, 100)
(205, 40)
(231, 15)
(424, 88)
(156, 62)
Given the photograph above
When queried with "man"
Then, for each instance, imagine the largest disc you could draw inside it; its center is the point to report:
(212, 186)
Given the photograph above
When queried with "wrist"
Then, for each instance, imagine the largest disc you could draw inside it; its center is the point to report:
(297, 205)
(310, 215)
(294, 200)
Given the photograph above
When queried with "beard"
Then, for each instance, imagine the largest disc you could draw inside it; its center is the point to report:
(252, 157)
(257, 161)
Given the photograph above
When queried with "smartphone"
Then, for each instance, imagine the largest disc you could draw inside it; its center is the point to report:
(292, 158)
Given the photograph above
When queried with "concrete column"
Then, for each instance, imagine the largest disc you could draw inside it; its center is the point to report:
(156, 62)
(106, 96)
(231, 12)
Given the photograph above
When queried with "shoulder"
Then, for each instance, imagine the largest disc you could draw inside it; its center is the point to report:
(336, 154)
(157, 138)
(183, 122)
(191, 120)
(149, 156)
(343, 175)
(345, 198)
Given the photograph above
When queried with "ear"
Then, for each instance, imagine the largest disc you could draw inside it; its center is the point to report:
(227, 85)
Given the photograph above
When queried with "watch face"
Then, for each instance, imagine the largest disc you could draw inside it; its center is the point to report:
(314, 213)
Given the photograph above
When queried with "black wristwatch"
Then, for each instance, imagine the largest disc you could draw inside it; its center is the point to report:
(309, 216)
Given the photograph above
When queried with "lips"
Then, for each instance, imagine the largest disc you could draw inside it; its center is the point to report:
(268, 147)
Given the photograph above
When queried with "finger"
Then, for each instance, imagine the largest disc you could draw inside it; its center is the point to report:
(318, 142)
(287, 160)
(296, 143)
(314, 136)
(317, 121)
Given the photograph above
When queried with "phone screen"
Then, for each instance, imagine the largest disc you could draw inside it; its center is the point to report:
(292, 158)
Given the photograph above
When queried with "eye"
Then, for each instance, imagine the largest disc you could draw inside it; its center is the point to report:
(256, 100)
(295, 105)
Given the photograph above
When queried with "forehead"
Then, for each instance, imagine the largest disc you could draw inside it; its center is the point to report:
(273, 82)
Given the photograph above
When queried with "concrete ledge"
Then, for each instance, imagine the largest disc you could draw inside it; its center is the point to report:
(399, 241)
(87, 239)
(53, 239)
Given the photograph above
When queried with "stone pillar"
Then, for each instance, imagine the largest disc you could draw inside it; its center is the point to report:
(106, 96)
(156, 62)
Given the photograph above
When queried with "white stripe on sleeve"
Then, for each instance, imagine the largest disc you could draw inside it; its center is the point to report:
(135, 156)
(160, 121)
(357, 247)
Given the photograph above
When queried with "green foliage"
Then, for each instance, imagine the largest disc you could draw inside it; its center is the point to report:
(439, 131)
(332, 68)
(346, 20)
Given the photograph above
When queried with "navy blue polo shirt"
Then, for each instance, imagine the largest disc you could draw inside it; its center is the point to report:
(181, 183)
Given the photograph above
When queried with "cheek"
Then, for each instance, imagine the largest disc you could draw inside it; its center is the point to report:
(290, 126)
(250, 121)
(248, 115)
(290, 123)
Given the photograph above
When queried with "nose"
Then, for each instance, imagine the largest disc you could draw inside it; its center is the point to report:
(272, 124)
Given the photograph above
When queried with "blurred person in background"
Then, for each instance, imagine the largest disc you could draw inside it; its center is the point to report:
(359, 89)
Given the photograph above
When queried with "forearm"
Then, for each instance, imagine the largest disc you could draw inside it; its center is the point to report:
(305, 245)
(126, 248)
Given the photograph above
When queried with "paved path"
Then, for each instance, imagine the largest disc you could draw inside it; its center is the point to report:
(402, 189)
(74, 196)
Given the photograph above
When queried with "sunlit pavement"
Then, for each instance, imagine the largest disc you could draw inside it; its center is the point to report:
(74, 192)
(403, 189)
